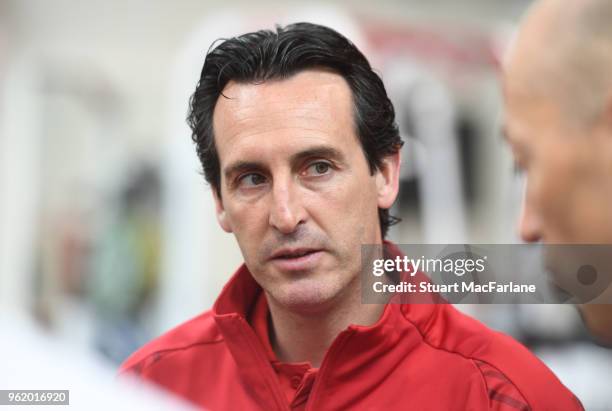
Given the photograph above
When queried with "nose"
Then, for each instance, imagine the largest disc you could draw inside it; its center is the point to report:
(286, 211)
(529, 221)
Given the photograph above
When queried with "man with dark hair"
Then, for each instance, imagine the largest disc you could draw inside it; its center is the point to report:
(263, 56)
(558, 94)
(298, 139)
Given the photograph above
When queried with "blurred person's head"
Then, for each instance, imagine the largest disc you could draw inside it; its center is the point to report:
(297, 137)
(558, 92)
(558, 95)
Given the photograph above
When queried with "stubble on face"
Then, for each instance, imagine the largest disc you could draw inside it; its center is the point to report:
(267, 126)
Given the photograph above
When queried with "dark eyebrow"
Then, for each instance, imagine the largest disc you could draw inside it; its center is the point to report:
(241, 166)
(319, 151)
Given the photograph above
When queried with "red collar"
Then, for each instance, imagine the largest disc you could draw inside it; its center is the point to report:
(353, 349)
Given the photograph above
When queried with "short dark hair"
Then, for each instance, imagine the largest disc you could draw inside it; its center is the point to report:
(273, 55)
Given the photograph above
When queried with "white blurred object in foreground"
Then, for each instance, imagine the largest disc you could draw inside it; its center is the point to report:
(35, 361)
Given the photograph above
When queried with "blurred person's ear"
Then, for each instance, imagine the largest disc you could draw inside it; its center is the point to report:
(387, 180)
(221, 214)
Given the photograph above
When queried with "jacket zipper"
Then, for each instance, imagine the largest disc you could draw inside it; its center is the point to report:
(338, 343)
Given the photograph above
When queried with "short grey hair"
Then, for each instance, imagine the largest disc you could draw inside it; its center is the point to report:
(582, 49)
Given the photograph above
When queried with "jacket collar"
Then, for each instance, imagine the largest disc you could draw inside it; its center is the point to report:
(353, 350)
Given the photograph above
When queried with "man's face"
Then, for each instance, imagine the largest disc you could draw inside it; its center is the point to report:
(567, 165)
(296, 189)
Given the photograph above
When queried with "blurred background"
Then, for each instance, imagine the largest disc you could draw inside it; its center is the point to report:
(107, 230)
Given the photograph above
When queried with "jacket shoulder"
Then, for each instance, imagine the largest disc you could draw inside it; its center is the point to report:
(200, 330)
(505, 364)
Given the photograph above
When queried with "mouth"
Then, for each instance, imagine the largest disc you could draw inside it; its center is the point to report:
(298, 259)
(293, 253)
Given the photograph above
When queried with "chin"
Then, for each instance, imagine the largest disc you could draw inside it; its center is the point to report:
(307, 296)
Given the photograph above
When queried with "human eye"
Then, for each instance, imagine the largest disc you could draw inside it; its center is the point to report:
(318, 168)
(251, 180)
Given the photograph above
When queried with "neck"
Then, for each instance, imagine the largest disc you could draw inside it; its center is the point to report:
(306, 337)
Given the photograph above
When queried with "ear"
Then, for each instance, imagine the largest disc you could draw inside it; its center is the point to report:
(387, 180)
(222, 217)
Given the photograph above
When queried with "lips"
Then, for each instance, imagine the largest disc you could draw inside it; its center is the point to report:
(296, 259)
(293, 253)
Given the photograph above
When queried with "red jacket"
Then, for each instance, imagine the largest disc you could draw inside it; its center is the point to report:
(416, 357)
